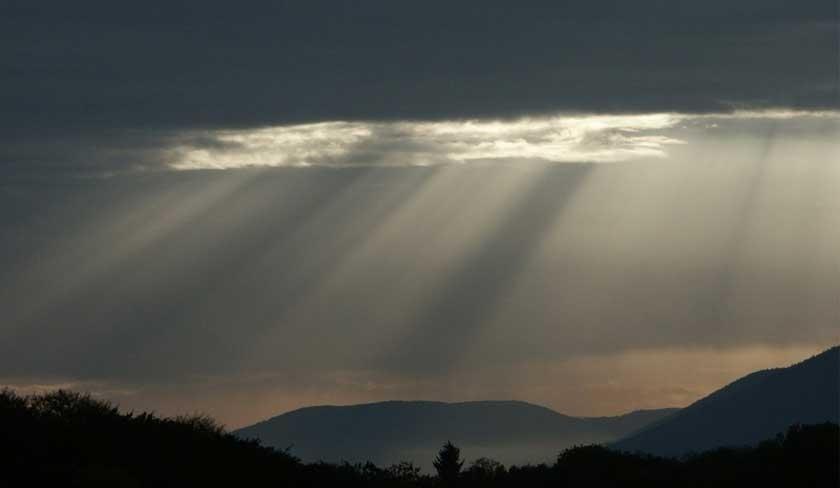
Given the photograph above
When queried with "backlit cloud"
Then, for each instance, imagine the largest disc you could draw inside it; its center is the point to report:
(560, 138)
(594, 138)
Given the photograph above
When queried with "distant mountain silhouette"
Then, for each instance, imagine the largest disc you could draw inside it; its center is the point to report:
(389, 432)
(748, 410)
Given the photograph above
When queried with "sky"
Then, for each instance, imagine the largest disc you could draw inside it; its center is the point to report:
(241, 210)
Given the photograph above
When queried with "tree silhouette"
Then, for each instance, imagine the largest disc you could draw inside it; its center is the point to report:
(484, 472)
(404, 473)
(448, 464)
(69, 439)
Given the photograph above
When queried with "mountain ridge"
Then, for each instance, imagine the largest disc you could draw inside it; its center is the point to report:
(749, 409)
(754, 407)
(511, 431)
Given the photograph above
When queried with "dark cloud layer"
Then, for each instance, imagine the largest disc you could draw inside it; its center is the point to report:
(73, 69)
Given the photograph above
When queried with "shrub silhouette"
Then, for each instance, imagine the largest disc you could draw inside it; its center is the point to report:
(484, 472)
(404, 474)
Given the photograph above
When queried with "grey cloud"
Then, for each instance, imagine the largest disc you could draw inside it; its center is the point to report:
(99, 68)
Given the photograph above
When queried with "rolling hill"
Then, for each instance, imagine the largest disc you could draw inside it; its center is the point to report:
(390, 432)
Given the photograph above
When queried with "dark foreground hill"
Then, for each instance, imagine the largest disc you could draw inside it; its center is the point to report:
(749, 410)
(68, 439)
(388, 432)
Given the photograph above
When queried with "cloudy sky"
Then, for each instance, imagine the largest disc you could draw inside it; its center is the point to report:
(242, 209)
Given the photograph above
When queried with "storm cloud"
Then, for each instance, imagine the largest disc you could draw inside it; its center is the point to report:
(107, 76)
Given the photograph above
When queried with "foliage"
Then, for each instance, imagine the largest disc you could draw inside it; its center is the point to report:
(448, 464)
(485, 472)
(69, 439)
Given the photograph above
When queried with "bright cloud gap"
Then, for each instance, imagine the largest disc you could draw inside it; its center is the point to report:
(562, 138)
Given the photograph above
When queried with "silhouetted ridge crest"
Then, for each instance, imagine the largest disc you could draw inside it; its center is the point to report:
(749, 409)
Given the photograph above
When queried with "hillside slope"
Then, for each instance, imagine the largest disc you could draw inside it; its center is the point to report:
(748, 410)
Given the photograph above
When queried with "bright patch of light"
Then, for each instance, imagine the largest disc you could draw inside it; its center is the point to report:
(561, 138)
(596, 138)
(296, 145)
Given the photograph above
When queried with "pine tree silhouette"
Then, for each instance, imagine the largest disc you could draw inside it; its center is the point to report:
(448, 464)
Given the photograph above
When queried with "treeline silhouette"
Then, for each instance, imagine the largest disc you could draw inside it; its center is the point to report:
(69, 439)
